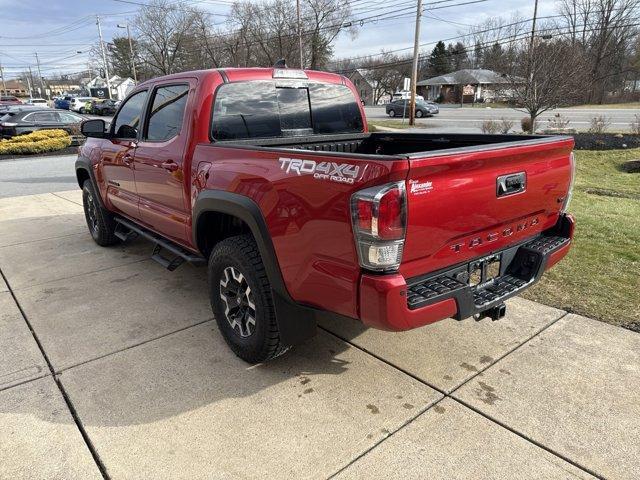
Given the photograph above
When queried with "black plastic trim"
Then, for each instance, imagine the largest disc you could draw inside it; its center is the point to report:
(522, 266)
(296, 322)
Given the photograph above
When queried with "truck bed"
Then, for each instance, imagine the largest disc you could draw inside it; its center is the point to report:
(393, 144)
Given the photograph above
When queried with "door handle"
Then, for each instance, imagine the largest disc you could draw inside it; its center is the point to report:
(170, 165)
(127, 159)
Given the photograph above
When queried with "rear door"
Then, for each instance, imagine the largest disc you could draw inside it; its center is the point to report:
(159, 162)
(118, 155)
(43, 120)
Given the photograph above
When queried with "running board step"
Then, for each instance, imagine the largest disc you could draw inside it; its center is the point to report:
(130, 230)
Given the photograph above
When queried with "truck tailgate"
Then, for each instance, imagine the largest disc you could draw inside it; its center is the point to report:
(466, 203)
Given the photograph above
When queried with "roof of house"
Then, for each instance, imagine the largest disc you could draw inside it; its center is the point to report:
(466, 77)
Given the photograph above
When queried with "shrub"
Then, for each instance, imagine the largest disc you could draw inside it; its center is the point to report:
(490, 126)
(558, 122)
(525, 123)
(506, 125)
(37, 142)
(599, 124)
(635, 125)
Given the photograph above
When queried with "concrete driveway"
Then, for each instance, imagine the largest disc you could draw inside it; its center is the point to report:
(112, 367)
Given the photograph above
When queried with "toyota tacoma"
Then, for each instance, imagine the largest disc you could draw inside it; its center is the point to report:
(270, 178)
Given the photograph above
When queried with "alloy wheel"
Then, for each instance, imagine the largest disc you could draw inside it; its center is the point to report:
(239, 307)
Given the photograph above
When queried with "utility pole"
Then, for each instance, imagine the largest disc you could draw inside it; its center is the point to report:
(31, 84)
(533, 25)
(414, 70)
(44, 91)
(104, 58)
(299, 34)
(4, 85)
(133, 60)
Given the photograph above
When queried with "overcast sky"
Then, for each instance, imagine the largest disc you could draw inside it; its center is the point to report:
(57, 29)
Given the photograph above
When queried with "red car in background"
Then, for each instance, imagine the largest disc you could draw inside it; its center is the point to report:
(9, 100)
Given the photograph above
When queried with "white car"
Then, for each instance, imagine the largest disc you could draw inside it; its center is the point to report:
(40, 102)
(77, 104)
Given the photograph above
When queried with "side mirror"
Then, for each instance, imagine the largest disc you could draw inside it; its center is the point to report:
(93, 128)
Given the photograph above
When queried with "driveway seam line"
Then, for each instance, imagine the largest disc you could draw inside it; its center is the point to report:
(517, 347)
(80, 232)
(81, 274)
(63, 198)
(470, 407)
(22, 382)
(115, 352)
(66, 398)
(528, 439)
(375, 445)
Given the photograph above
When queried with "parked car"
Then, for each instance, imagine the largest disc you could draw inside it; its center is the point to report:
(29, 120)
(404, 95)
(40, 102)
(9, 100)
(401, 107)
(104, 107)
(299, 213)
(79, 104)
(63, 103)
(17, 108)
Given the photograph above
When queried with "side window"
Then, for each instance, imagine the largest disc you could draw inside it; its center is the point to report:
(44, 117)
(69, 117)
(127, 122)
(167, 112)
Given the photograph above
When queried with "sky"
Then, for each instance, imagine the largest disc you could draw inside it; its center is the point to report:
(58, 29)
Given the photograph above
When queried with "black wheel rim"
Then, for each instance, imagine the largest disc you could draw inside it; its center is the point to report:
(92, 214)
(237, 299)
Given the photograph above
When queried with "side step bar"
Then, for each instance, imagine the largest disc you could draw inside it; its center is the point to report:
(126, 230)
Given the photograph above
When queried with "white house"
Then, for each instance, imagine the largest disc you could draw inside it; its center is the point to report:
(120, 87)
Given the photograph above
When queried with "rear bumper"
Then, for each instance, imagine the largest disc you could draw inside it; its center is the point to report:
(391, 302)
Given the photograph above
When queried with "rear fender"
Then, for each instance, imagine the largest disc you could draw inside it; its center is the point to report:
(296, 322)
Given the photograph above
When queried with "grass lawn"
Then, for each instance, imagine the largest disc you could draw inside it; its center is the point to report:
(395, 124)
(600, 278)
(611, 105)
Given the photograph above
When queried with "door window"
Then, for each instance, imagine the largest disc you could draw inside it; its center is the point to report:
(167, 112)
(44, 117)
(127, 122)
(69, 117)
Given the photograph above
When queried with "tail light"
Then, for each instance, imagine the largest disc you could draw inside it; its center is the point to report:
(567, 200)
(379, 216)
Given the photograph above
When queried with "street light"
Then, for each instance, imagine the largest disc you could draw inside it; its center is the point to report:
(133, 62)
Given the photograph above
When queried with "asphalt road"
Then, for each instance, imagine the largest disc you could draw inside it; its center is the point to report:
(468, 119)
(31, 175)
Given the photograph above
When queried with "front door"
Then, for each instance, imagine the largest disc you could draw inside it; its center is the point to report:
(118, 154)
(159, 163)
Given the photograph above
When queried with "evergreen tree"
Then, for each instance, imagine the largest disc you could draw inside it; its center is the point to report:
(439, 63)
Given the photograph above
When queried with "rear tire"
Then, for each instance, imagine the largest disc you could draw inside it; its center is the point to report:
(241, 300)
(392, 113)
(419, 114)
(81, 111)
(99, 221)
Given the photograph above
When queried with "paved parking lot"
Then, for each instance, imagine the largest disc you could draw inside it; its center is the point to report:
(112, 367)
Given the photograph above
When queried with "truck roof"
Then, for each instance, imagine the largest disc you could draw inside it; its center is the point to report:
(250, 73)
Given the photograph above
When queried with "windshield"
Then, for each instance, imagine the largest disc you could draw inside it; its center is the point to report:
(261, 109)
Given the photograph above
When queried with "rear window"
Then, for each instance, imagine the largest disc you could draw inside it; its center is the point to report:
(261, 109)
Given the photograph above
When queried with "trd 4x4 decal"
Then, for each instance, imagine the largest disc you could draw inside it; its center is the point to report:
(335, 172)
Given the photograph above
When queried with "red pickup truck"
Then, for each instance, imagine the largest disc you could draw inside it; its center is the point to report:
(270, 178)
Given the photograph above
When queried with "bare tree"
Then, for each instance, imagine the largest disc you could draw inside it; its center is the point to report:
(549, 75)
(163, 31)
